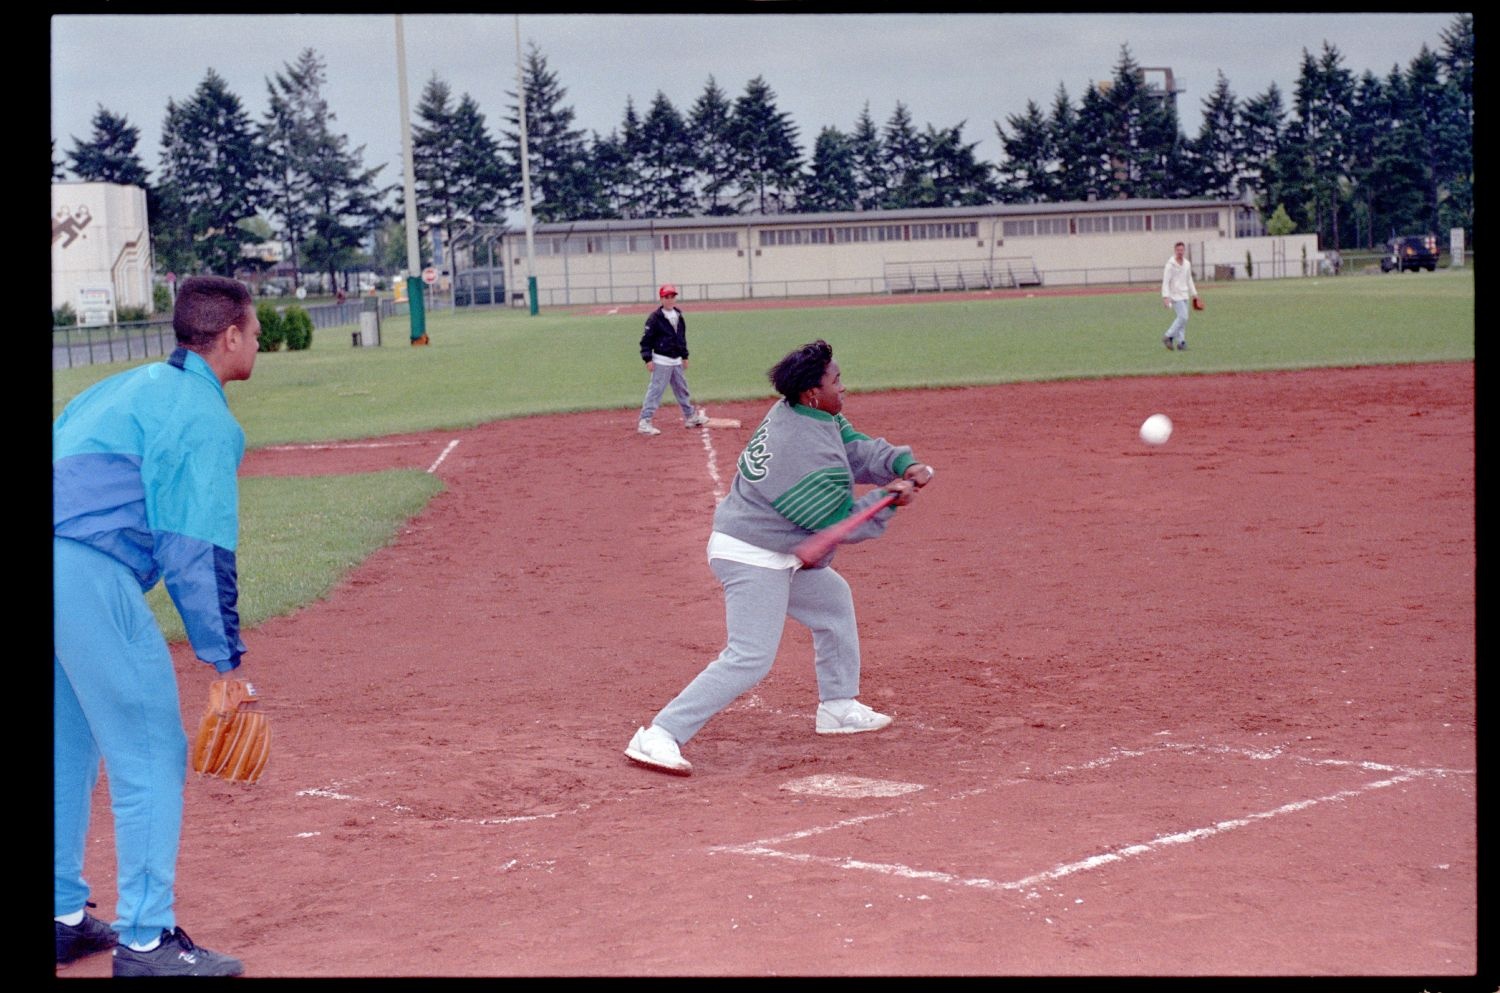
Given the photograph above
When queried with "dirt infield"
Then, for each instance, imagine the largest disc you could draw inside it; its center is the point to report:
(1207, 709)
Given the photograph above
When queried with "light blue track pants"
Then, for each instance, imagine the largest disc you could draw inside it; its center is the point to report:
(757, 602)
(114, 695)
(1178, 331)
(663, 376)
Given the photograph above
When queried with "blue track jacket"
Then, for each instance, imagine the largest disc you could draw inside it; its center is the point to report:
(144, 469)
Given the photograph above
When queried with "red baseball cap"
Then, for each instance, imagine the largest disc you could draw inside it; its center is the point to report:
(667, 290)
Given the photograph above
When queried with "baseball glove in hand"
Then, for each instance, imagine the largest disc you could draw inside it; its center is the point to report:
(1197, 303)
(234, 739)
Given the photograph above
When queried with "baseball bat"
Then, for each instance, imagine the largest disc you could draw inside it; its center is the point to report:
(815, 546)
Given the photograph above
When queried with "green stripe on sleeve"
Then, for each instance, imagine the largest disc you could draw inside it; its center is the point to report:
(819, 498)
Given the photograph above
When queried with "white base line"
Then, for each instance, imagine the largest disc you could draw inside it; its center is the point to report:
(451, 445)
(766, 847)
(713, 466)
(339, 444)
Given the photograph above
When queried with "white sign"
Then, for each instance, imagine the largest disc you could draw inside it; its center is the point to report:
(429, 275)
(1456, 248)
(96, 305)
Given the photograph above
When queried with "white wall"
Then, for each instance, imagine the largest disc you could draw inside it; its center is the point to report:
(100, 239)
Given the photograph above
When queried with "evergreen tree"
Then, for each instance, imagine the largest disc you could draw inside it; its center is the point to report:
(459, 176)
(1087, 148)
(905, 163)
(768, 161)
(867, 155)
(1263, 129)
(1029, 166)
(1457, 58)
(563, 186)
(613, 176)
(711, 121)
(1213, 160)
(294, 105)
(1318, 142)
(830, 184)
(666, 161)
(57, 167)
(109, 156)
(210, 178)
(1436, 112)
(1143, 135)
(955, 176)
(1073, 179)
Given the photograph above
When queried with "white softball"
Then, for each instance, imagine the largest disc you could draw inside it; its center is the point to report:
(1156, 429)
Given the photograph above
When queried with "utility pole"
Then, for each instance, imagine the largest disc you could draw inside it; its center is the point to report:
(415, 304)
(526, 177)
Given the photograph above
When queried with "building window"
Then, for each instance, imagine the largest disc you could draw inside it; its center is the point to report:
(1203, 219)
(1019, 229)
(1093, 225)
(930, 232)
(1052, 226)
(1128, 222)
(1169, 222)
(721, 239)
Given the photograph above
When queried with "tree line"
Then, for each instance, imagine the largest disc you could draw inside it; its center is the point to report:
(1351, 158)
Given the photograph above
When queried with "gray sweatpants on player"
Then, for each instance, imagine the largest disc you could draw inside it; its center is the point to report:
(1177, 333)
(661, 377)
(757, 602)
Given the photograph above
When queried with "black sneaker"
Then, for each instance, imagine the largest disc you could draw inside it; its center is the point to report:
(1182, 346)
(88, 936)
(175, 956)
(1166, 339)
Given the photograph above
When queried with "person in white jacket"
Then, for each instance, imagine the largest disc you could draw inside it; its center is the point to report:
(1177, 288)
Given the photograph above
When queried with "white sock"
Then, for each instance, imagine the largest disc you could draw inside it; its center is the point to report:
(71, 920)
(146, 947)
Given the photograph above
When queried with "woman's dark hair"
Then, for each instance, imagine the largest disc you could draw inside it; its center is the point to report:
(801, 370)
(205, 307)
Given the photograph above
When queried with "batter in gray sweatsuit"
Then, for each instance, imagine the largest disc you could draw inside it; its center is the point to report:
(795, 476)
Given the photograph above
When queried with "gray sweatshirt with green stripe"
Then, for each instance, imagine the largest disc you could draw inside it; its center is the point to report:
(797, 476)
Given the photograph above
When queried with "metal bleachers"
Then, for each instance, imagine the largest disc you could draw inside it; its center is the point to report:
(938, 277)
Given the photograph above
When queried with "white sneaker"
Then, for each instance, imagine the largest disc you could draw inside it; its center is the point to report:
(656, 748)
(848, 717)
(698, 419)
(646, 427)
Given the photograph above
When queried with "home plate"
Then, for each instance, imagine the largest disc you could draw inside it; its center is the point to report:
(849, 786)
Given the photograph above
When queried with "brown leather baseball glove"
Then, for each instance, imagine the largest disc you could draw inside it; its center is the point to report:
(1197, 303)
(234, 738)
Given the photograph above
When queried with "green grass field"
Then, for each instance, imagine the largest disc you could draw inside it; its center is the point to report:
(488, 365)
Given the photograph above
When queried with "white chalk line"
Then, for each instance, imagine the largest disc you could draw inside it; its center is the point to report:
(311, 447)
(769, 847)
(334, 791)
(342, 445)
(713, 464)
(451, 446)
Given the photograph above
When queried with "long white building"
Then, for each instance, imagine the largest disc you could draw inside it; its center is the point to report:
(895, 251)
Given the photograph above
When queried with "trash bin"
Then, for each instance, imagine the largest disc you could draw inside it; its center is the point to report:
(369, 323)
(1223, 272)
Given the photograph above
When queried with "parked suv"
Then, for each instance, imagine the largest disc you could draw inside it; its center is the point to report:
(1409, 253)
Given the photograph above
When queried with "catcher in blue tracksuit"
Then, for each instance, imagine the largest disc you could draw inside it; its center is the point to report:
(144, 488)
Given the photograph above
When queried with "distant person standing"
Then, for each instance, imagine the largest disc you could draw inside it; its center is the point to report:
(664, 350)
(1177, 288)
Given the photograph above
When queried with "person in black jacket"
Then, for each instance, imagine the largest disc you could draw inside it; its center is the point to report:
(665, 352)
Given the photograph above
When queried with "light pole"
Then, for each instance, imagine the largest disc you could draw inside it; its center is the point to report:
(526, 177)
(415, 304)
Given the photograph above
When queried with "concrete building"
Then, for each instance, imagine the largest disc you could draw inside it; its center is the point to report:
(101, 250)
(994, 246)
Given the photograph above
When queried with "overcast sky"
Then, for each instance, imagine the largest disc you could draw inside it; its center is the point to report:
(945, 68)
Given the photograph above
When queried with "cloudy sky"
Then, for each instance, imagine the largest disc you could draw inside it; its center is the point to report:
(824, 69)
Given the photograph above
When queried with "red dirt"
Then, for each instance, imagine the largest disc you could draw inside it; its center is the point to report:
(1206, 709)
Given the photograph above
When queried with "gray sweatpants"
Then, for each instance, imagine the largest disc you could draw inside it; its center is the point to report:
(757, 602)
(661, 377)
(1178, 331)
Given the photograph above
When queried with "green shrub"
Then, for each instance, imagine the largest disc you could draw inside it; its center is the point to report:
(299, 329)
(63, 317)
(272, 327)
(161, 298)
(1249, 265)
(129, 315)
